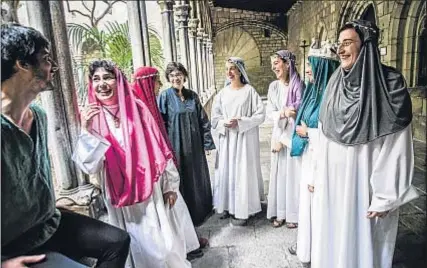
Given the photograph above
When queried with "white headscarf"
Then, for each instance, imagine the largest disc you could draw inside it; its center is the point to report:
(241, 66)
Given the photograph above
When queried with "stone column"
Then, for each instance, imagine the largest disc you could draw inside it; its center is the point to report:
(182, 19)
(200, 61)
(145, 34)
(61, 107)
(211, 67)
(205, 63)
(135, 31)
(208, 66)
(173, 31)
(195, 77)
(169, 48)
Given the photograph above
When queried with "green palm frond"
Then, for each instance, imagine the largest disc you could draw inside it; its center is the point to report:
(119, 48)
(82, 33)
(112, 43)
(156, 51)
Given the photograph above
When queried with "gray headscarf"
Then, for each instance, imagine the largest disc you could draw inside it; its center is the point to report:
(367, 102)
(241, 66)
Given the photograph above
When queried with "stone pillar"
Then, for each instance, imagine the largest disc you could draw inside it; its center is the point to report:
(208, 78)
(211, 67)
(205, 63)
(169, 47)
(135, 32)
(195, 77)
(182, 19)
(200, 61)
(61, 108)
(145, 34)
(173, 31)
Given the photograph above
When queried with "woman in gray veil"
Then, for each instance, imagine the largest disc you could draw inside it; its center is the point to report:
(365, 158)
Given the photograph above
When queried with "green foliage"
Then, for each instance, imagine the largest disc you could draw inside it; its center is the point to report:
(113, 43)
(85, 34)
(156, 51)
(118, 46)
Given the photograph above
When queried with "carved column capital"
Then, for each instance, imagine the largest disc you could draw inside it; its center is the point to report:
(192, 27)
(182, 12)
(209, 46)
(166, 5)
(200, 32)
(206, 38)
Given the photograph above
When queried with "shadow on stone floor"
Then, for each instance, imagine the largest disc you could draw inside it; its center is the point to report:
(411, 248)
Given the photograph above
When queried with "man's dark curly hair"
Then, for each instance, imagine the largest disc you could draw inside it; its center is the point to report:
(19, 43)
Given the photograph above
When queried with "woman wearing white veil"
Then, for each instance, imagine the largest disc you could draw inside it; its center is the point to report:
(237, 112)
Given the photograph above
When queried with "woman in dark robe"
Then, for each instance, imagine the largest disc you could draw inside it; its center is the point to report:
(189, 131)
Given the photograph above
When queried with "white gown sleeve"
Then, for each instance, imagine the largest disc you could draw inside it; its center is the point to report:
(170, 178)
(392, 173)
(89, 154)
(258, 116)
(271, 111)
(217, 117)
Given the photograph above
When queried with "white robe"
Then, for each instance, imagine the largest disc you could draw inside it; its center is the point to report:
(352, 180)
(308, 175)
(160, 236)
(238, 185)
(283, 191)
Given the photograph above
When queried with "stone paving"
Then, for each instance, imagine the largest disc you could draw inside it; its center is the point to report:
(259, 245)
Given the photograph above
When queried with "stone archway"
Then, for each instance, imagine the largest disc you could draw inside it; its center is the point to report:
(353, 10)
(403, 38)
(237, 42)
(252, 23)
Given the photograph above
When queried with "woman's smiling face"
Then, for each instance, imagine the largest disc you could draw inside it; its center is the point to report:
(105, 85)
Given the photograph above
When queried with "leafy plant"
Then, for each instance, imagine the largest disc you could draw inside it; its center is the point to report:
(80, 34)
(113, 43)
(119, 48)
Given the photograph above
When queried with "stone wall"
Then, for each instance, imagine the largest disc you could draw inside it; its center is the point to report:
(419, 109)
(400, 23)
(253, 36)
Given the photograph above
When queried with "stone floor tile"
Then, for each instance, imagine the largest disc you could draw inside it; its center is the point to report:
(261, 257)
(232, 235)
(217, 257)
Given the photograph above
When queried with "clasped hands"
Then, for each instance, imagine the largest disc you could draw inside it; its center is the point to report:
(288, 113)
(232, 123)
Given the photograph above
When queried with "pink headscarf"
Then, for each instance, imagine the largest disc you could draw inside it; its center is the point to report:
(131, 171)
(143, 86)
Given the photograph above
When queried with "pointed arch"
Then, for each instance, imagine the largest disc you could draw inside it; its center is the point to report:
(353, 10)
(404, 39)
(253, 23)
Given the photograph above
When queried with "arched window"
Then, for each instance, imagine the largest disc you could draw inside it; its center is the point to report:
(369, 14)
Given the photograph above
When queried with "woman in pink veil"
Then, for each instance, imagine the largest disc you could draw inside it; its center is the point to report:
(146, 87)
(122, 144)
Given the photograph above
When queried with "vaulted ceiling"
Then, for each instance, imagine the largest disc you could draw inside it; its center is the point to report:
(274, 6)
